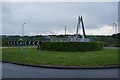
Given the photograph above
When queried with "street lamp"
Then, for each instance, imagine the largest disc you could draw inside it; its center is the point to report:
(116, 34)
(23, 34)
(115, 28)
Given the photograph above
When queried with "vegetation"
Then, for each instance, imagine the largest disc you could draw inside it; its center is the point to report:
(109, 41)
(91, 58)
(71, 46)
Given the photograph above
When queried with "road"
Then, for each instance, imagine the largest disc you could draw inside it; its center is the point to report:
(113, 47)
(18, 71)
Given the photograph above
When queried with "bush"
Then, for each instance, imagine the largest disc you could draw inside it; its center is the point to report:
(72, 46)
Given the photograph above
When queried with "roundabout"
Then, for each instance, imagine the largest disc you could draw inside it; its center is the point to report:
(30, 70)
(57, 64)
(107, 58)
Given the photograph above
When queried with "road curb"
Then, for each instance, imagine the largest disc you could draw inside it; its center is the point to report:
(62, 67)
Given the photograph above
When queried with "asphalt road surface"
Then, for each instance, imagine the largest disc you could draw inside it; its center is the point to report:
(18, 71)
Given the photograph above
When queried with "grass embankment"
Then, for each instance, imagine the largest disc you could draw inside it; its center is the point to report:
(93, 58)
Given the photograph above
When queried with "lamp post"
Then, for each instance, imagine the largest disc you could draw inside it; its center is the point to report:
(23, 34)
(116, 34)
(115, 28)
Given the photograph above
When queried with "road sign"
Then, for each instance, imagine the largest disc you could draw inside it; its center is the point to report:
(31, 43)
(15, 42)
(8, 42)
(21, 43)
(24, 42)
(39, 43)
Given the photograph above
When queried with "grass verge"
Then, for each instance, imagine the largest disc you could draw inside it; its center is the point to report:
(93, 58)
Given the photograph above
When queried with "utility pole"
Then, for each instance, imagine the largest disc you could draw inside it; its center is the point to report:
(65, 30)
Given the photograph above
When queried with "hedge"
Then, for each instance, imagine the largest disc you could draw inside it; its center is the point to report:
(72, 46)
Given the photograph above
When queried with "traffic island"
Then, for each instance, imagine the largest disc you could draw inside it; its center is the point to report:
(107, 58)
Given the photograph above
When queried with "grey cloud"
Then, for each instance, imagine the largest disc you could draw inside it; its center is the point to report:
(47, 17)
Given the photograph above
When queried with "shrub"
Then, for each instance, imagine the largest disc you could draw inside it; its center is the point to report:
(72, 46)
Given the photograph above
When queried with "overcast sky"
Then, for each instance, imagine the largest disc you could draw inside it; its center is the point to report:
(51, 17)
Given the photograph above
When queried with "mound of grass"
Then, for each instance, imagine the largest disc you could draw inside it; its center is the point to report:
(92, 58)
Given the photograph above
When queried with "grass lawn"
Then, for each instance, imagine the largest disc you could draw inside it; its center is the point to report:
(93, 58)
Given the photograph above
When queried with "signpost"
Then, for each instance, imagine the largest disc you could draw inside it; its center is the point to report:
(26, 46)
(8, 43)
(21, 43)
(38, 48)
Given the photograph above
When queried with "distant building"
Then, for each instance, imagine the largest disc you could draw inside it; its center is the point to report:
(69, 39)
